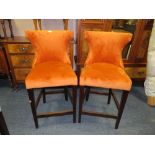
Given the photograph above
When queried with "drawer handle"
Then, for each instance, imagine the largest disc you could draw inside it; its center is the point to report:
(141, 73)
(25, 61)
(24, 49)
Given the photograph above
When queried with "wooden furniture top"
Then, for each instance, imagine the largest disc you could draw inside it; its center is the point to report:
(15, 40)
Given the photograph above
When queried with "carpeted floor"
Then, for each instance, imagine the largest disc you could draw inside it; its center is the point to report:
(138, 117)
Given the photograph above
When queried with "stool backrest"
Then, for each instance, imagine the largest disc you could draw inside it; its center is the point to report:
(106, 46)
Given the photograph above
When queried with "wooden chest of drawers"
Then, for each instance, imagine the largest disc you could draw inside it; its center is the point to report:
(20, 55)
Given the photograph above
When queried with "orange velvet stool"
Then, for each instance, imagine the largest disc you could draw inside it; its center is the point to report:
(51, 69)
(104, 69)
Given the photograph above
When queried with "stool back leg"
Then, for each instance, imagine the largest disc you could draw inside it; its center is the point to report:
(66, 94)
(87, 93)
(109, 96)
(33, 108)
(44, 95)
(121, 107)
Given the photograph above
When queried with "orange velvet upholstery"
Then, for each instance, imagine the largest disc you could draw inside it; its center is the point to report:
(106, 46)
(52, 65)
(105, 75)
(104, 65)
(51, 74)
(50, 45)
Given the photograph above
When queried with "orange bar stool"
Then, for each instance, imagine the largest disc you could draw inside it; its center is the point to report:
(51, 69)
(104, 69)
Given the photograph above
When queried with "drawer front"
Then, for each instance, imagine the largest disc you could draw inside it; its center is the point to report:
(22, 60)
(20, 48)
(21, 74)
(92, 21)
(136, 72)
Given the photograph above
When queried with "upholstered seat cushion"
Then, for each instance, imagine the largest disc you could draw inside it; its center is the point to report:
(51, 74)
(105, 75)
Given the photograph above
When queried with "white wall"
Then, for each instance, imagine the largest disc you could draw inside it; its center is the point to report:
(20, 25)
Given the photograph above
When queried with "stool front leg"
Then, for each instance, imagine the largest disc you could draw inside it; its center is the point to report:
(33, 107)
(81, 100)
(74, 101)
(121, 107)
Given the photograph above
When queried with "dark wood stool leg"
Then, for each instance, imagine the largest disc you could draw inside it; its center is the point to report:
(39, 24)
(121, 108)
(81, 99)
(66, 94)
(3, 27)
(3, 126)
(33, 108)
(10, 26)
(44, 95)
(87, 93)
(109, 96)
(74, 98)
